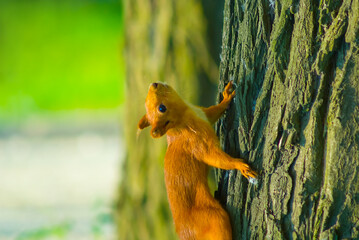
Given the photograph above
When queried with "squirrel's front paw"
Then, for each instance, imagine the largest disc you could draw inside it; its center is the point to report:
(229, 92)
(248, 172)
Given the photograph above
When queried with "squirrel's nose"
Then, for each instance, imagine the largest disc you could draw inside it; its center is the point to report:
(154, 85)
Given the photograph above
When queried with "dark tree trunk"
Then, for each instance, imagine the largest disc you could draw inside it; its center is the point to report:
(295, 118)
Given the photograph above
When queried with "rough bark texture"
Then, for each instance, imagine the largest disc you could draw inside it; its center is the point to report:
(295, 118)
(166, 40)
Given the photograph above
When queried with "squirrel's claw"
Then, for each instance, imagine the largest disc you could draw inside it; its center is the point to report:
(248, 172)
(229, 92)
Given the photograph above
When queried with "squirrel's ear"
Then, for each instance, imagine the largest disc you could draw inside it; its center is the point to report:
(143, 123)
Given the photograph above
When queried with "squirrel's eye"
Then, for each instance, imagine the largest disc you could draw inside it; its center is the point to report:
(162, 108)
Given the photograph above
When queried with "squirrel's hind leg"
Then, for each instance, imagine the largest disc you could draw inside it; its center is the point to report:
(212, 224)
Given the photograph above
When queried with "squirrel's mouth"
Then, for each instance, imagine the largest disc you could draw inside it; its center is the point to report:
(159, 131)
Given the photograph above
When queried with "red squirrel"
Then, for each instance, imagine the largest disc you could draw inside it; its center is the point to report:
(192, 146)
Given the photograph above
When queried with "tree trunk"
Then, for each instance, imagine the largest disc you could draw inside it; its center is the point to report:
(166, 40)
(295, 118)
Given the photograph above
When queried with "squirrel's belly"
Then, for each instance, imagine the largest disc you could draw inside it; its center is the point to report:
(184, 190)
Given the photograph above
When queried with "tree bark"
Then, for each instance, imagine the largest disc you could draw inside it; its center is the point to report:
(166, 40)
(295, 118)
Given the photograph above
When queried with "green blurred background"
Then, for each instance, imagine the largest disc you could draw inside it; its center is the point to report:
(60, 55)
(61, 95)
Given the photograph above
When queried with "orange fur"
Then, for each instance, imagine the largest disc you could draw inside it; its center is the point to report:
(192, 146)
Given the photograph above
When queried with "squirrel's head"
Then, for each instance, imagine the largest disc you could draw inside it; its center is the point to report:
(164, 109)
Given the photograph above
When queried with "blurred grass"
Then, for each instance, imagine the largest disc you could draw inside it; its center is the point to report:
(100, 223)
(59, 231)
(60, 55)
